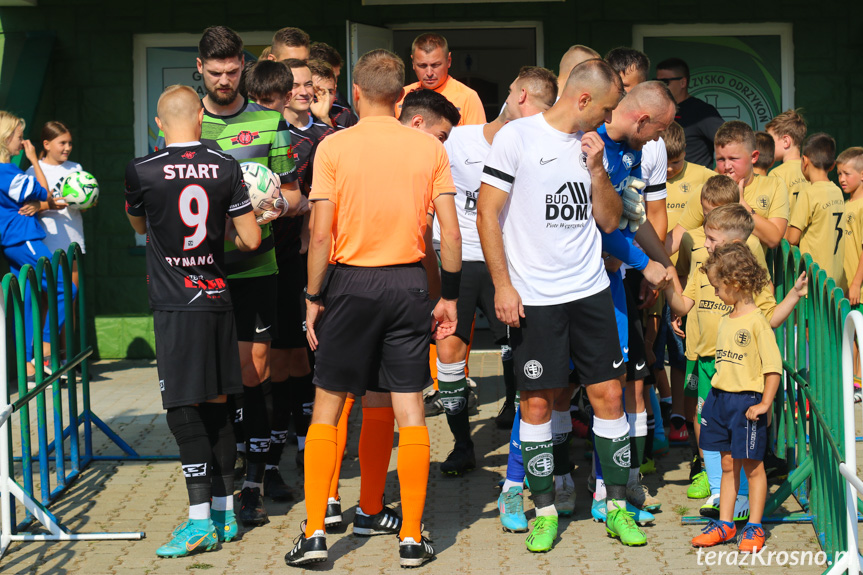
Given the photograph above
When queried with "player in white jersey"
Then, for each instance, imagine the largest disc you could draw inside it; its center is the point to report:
(532, 92)
(544, 198)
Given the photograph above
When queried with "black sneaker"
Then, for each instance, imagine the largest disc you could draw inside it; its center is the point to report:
(334, 513)
(506, 417)
(252, 510)
(240, 465)
(433, 405)
(413, 554)
(385, 522)
(665, 410)
(459, 461)
(305, 551)
(275, 487)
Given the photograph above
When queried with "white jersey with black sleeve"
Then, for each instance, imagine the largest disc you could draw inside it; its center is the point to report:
(553, 247)
(467, 149)
(654, 170)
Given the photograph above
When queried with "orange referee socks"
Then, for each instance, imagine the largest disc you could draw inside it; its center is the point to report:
(341, 441)
(320, 464)
(413, 467)
(433, 364)
(376, 440)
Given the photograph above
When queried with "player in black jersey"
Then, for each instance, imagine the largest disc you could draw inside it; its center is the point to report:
(180, 197)
(293, 391)
(249, 132)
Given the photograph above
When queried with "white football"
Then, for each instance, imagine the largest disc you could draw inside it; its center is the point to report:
(79, 189)
(263, 184)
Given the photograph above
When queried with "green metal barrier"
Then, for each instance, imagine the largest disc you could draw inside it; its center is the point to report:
(809, 414)
(78, 351)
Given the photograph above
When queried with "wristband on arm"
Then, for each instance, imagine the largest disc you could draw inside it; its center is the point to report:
(449, 284)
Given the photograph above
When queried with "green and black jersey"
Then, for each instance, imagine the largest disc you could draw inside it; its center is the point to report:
(254, 134)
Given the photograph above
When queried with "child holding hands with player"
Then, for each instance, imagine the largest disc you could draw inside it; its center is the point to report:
(734, 417)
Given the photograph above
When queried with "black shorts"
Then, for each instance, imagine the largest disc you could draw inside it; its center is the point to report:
(291, 319)
(477, 291)
(375, 330)
(255, 307)
(636, 367)
(196, 356)
(584, 330)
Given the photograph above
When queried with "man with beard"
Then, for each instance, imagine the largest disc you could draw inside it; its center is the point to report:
(250, 133)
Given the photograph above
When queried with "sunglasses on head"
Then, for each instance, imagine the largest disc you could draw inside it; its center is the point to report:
(667, 81)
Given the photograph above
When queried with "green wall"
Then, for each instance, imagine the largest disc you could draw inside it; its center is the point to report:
(89, 82)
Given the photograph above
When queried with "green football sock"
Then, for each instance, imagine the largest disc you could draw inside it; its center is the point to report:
(453, 396)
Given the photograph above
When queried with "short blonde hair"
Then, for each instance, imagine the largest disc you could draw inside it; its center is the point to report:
(789, 123)
(719, 190)
(8, 124)
(380, 75)
(735, 132)
(733, 219)
(852, 156)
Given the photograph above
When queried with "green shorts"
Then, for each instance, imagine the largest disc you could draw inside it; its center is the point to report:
(690, 380)
(705, 368)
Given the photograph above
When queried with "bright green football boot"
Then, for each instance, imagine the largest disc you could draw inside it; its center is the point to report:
(621, 525)
(192, 536)
(544, 532)
(700, 486)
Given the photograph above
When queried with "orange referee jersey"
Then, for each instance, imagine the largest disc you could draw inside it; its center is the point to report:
(463, 97)
(382, 178)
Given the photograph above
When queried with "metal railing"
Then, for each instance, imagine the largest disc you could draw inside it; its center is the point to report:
(78, 350)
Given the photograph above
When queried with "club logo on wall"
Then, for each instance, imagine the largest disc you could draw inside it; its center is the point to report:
(734, 95)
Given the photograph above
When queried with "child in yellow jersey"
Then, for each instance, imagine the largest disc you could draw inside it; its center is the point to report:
(727, 222)
(816, 220)
(766, 198)
(849, 166)
(734, 417)
(684, 180)
(765, 147)
(788, 130)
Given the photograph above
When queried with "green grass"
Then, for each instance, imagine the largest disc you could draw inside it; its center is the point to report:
(201, 566)
(681, 510)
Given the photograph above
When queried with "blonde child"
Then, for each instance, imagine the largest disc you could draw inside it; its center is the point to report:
(849, 166)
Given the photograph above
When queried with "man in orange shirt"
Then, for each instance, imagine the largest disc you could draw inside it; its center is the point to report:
(431, 62)
(371, 215)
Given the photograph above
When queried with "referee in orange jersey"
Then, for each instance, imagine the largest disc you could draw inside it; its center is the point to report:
(370, 325)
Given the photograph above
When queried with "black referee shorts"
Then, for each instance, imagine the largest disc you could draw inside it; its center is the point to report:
(196, 356)
(375, 330)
